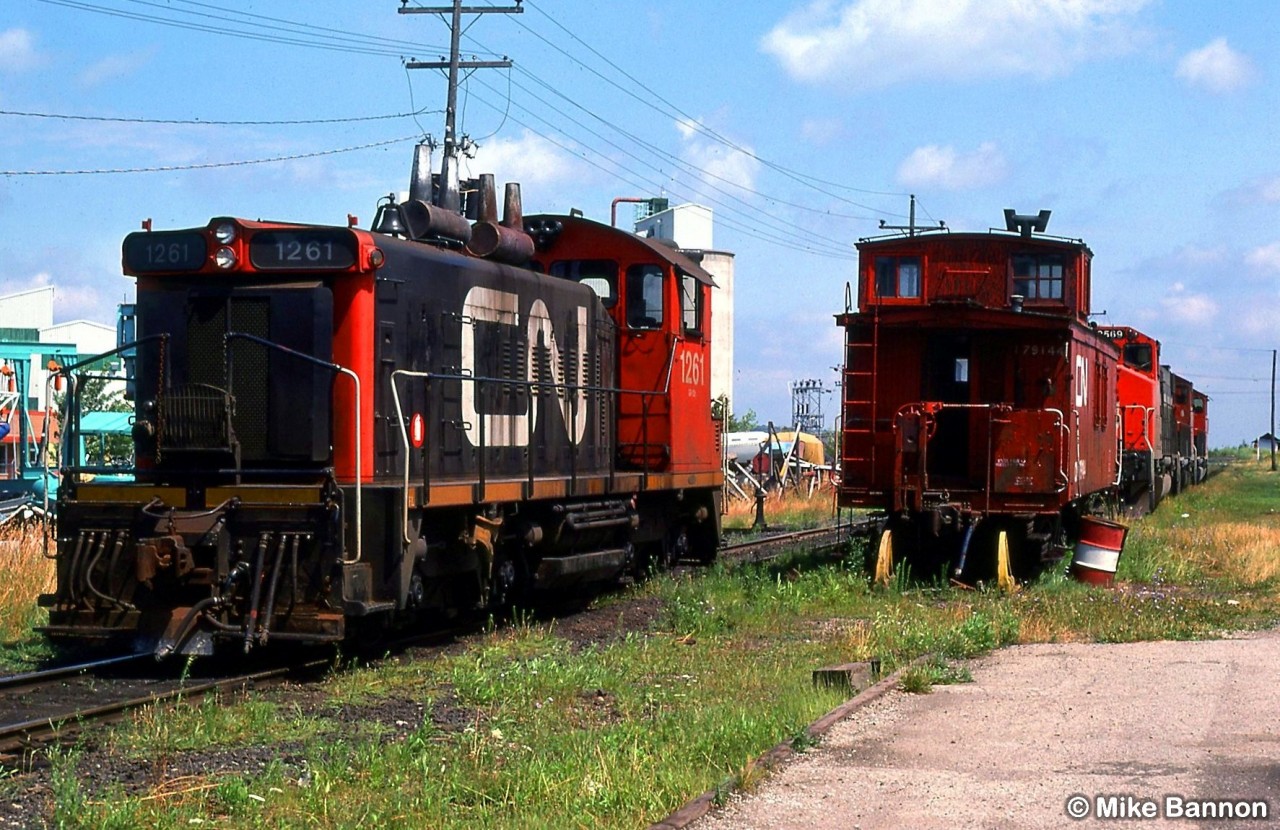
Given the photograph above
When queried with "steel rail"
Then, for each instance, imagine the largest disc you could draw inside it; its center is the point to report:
(18, 735)
(43, 675)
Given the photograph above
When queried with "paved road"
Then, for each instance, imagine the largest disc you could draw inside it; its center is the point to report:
(1038, 725)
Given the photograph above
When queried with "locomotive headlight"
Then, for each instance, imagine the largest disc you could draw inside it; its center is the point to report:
(225, 233)
(225, 258)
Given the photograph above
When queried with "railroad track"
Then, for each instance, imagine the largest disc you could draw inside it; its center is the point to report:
(765, 548)
(55, 704)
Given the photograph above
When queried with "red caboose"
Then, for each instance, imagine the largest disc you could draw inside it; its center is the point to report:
(977, 396)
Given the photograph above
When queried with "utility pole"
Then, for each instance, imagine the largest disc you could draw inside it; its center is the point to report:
(1273, 410)
(448, 194)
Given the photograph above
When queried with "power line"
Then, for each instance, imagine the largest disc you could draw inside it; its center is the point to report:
(351, 45)
(213, 123)
(805, 179)
(748, 210)
(206, 166)
(675, 159)
(754, 232)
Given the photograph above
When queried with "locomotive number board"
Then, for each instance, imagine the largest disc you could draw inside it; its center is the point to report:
(324, 248)
(146, 253)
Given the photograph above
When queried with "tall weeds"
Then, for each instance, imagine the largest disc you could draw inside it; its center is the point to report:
(24, 574)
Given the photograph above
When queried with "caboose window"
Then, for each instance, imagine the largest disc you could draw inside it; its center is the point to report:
(897, 276)
(691, 305)
(644, 297)
(1038, 276)
(600, 275)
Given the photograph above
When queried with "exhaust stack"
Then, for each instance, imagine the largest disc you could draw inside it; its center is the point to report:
(504, 242)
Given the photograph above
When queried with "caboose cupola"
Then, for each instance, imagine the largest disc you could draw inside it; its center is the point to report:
(1016, 268)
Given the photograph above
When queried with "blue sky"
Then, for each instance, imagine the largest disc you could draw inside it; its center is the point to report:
(1148, 127)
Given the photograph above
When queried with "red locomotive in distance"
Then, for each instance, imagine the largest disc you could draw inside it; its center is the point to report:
(978, 398)
(338, 428)
(1164, 423)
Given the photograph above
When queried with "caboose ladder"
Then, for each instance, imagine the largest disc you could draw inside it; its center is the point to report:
(862, 346)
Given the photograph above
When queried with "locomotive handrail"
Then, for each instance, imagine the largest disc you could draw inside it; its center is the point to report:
(612, 392)
(404, 439)
(1148, 426)
(73, 423)
(229, 336)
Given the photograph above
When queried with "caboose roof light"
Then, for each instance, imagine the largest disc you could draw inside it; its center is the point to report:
(225, 233)
(225, 258)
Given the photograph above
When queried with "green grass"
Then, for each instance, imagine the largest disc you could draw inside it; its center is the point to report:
(530, 731)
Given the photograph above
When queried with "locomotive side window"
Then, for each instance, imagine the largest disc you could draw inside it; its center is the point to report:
(1038, 276)
(600, 275)
(691, 306)
(898, 276)
(644, 297)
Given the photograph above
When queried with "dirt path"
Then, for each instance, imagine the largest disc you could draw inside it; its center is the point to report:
(1040, 724)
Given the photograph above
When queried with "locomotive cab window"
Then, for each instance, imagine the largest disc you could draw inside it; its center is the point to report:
(644, 297)
(691, 306)
(898, 276)
(600, 275)
(1038, 276)
(1138, 355)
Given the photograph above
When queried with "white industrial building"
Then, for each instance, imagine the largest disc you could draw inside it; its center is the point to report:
(689, 228)
(27, 317)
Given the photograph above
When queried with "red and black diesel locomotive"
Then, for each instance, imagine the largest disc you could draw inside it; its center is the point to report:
(978, 398)
(1164, 422)
(335, 426)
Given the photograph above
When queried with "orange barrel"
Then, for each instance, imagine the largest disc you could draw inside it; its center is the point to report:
(1098, 551)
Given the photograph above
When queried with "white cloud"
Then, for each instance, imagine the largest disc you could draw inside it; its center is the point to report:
(1181, 306)
(821, 130)
(718, 165)
(1216, 67)
(114, 67)
(1256, 320)
(529, 159)
(935, 166)
(1264, 257)
(876, 43)
(18, 51)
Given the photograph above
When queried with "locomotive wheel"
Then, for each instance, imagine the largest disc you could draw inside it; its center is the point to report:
(703, 543)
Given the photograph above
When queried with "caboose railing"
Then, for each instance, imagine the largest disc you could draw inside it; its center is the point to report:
(925, 416)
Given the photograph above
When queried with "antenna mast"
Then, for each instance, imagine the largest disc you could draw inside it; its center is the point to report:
(911, 227)
(448, 196)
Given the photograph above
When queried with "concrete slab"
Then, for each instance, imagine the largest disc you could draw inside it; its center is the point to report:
(1039, 725)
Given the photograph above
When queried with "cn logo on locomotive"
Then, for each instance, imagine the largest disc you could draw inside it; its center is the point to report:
(513, 429)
